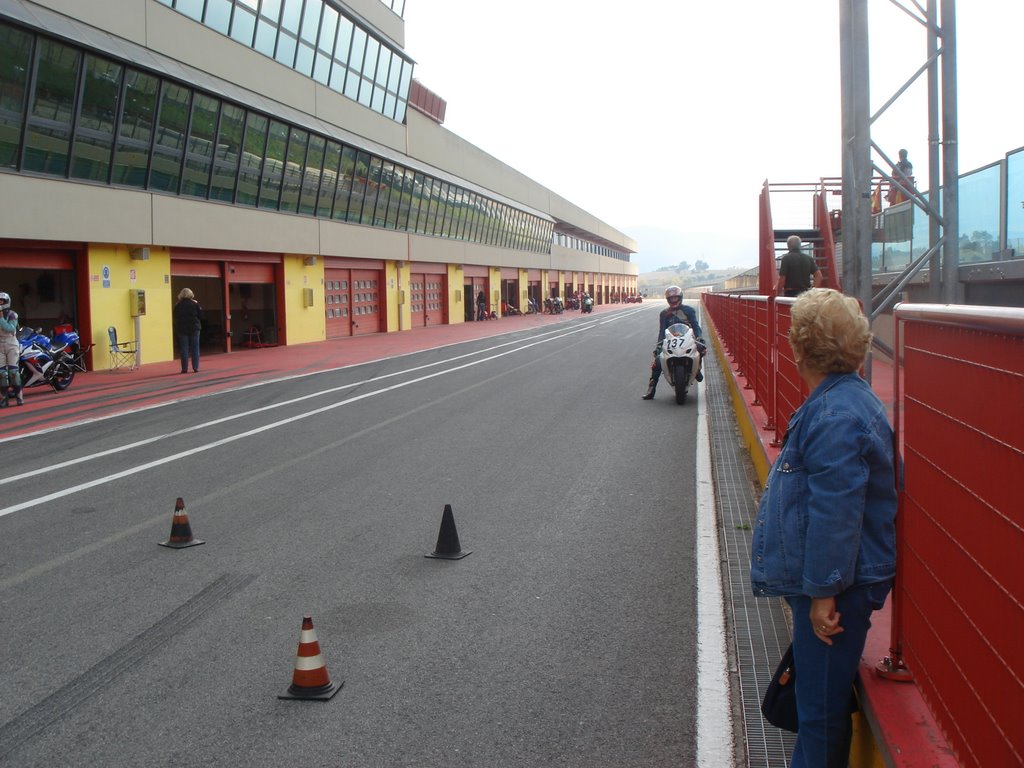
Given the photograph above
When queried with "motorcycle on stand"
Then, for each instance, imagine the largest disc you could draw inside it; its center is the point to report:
(680, 359)
(588, 304)
(42, 362)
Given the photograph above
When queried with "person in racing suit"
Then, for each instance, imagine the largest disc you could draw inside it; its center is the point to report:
(675, 312)
(10, 352)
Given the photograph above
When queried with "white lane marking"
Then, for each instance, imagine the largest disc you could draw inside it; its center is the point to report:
(272, 425)
(207, 424)
(715, 746)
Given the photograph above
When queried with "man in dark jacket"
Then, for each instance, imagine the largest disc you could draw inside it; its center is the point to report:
(797, 270)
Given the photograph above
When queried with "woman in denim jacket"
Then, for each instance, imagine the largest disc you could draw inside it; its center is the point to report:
(825, 535)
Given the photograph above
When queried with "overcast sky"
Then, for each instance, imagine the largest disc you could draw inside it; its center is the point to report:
(673, 114)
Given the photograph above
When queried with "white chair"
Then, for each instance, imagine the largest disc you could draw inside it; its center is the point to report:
(124, 354)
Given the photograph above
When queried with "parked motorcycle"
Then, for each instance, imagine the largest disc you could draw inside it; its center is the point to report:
(680, 358)
(43, 363)
(588, 304)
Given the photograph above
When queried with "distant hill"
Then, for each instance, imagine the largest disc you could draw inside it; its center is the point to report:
(668, 247)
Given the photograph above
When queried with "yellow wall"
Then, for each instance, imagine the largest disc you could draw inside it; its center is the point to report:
(524, 282)
(304, 324)
(494, 278)
(456, 299)
(396, 283)
(109, 302)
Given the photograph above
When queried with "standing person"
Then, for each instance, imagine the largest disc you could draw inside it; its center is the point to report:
(10, 352)
(797, 270)
(187, 324)
(825, 535)
(903, 174)
(676, 312)
(481, 306)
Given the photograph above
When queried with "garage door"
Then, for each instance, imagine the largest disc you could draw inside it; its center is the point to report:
(352, 302)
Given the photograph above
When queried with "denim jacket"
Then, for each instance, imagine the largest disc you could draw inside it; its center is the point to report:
(826, 519)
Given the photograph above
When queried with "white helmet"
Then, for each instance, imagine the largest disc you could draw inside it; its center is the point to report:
(673, 291)
(5, 300)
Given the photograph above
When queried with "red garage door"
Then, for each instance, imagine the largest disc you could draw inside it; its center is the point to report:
(426, 299)
(352, 302)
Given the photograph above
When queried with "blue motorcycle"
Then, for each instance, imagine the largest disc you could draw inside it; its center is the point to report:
(43, 362)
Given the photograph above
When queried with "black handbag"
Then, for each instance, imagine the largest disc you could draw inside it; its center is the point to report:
(779, 703)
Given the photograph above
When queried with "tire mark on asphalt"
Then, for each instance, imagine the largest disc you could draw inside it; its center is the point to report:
(101, 675)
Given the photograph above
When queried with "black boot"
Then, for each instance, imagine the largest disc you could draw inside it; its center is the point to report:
(651, 386)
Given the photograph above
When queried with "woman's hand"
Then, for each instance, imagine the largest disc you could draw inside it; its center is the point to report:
(825, 618)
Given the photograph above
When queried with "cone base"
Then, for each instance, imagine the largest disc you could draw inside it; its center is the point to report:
(450, 556)
(325, 693)
(181, 544)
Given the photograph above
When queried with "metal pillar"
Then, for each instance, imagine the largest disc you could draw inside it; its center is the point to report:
(856, 166)
(934, 143)
(950, 157)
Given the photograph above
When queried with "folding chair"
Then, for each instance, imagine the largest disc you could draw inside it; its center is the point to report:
(122, 354)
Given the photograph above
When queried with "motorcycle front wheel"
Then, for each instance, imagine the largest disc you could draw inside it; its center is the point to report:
(682, 382)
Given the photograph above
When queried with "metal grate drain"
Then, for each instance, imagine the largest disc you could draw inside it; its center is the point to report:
(760, 626)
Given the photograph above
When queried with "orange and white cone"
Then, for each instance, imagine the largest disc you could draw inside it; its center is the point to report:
(310, 680)
(181, 530)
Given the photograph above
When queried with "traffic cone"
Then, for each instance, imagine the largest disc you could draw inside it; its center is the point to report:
(310, 680)
(181, 531)
(448, 547)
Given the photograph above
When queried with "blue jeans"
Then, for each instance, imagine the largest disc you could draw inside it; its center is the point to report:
(188, 346)
(826, 673)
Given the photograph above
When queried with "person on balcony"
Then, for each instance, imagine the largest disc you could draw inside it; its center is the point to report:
(903, 175)
(824, 537)
(797, 271)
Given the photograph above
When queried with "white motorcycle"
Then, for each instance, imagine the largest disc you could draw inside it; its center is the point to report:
(680, 359)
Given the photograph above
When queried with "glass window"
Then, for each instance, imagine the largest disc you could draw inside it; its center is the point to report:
(286, 49)
(291, 16)
(329, 179)
(94, 136)
(273, 165)
(218, 15)
(979, 214)
(169, 146)
(266, 37)
(251, 166)
(355, 59)
(48, 137)
(322, 68)
(304, 60)
(191, 8)
(390, 103)
(398, 207)
(311, 175)
(372, 190)
(1014, 202)
(337, 81)
(415, 200)
(395, 72)
(344, 45)
(365, 91)
(243, 25)
(271, 10)
(195, 181)
(387, 176)
(131, 158)
(311, 20)
(352, 85)
(227, 153)
(383, 66)
(328, 30)
(370, 57)
(377, 101)
(293, 170)
(346, 181)
(15, 50)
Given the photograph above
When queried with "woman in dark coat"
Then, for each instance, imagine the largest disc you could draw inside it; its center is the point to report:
(187, 324)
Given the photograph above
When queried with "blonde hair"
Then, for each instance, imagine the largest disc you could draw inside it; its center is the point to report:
(828, 331)
(186, 293)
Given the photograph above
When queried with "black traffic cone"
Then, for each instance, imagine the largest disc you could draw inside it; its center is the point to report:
(448, 547)
(181, 531)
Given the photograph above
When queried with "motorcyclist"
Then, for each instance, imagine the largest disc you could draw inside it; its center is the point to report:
(10, 352)
(676, 312)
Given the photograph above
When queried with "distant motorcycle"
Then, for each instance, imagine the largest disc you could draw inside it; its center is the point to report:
(680, 358)
(42, 362)
(588, 304)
